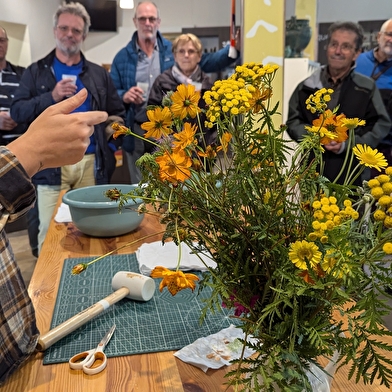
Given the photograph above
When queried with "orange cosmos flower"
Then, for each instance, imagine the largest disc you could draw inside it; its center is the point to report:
(332, 127)
(210, 152)
(225, 140)
(174, 167)
(185, 101)
(186, 137)
(174, 280)
(159, 124)
(119, 130)
(258, 97)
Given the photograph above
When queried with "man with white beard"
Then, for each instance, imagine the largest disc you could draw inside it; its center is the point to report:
(377, 64)
(59, 75)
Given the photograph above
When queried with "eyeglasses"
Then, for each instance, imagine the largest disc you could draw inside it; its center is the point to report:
(345, 48)
(3, 40)
(387, 33)
(182, 52)
(143, 19)
(65, 29)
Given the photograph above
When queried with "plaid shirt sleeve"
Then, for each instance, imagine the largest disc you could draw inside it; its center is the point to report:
(18, 330)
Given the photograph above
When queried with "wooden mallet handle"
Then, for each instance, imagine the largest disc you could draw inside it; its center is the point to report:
(55, 334)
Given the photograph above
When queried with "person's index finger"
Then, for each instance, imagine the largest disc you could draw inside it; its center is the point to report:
(92, 117)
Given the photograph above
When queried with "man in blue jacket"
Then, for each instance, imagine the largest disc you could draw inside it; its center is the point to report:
(377, 64)
(145, 57)
(52, 79)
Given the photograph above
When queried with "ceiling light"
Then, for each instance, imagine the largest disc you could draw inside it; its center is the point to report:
(126, 4)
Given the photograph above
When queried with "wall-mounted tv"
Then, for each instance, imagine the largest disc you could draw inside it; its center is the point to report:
(103, 14)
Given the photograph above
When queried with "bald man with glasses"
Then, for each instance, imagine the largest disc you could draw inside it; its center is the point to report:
(377, 64)
(135, 68)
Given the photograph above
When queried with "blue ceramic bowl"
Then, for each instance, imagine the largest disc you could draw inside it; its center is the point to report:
(96, 215)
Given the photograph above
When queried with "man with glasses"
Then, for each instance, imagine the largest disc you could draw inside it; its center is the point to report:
(377, 64)
(52, 79)
(355, 94)
(135, 68)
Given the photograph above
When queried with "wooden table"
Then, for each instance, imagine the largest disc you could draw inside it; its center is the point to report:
(157, 372)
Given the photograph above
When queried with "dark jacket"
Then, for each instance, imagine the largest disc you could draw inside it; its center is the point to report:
(359, 97)
(165, 82)
(123, 71)
(34, 95)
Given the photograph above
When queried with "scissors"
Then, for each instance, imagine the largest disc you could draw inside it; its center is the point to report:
(92, 361)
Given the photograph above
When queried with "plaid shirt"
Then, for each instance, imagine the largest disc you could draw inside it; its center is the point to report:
(18, 330)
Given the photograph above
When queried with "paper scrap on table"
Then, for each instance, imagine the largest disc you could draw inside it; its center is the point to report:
(151, 255)
(63, 214)
(216, 350)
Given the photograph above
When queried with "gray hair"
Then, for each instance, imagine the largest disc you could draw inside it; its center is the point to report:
(348, 26)
(74, 9)
(144, 2)
(384, 25)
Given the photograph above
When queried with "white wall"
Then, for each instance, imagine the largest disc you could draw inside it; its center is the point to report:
(32, 20)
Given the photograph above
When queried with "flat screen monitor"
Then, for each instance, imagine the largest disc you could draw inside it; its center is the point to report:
(103, 14)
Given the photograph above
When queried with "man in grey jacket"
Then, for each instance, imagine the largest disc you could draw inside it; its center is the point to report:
(355, 94)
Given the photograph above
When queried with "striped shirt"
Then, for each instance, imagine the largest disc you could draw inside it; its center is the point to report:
(9, 81)
(18, 330)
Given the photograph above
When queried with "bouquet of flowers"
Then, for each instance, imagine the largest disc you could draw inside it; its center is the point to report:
(299, 258)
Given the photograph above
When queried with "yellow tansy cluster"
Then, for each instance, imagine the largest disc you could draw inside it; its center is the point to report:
(381, 190)
(254, 73)
(327, 214)
(317, 102)
(227, 97)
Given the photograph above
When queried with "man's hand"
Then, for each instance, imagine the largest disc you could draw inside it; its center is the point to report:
(134, 95)
(6, 122)
(57, 137)
(64, 88)
(333, 147)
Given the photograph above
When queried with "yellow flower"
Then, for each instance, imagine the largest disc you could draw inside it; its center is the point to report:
(185, 101)
(302, 252)
(387, 248)
(330, 127)
(369, 157)
(174, 167)
(352, 123)
(159, 124)
(186, 137)
(174, 280)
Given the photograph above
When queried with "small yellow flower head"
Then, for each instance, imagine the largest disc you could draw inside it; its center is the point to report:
(387, 188)
(377, 192)
(388, 171)
(379, 215)
(384, 201)
(388, 222)
(78, 268)
(372, 183)
(387, 248)
(383, 178)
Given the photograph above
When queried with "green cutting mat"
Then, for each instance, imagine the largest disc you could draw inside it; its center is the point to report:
(164, 323)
